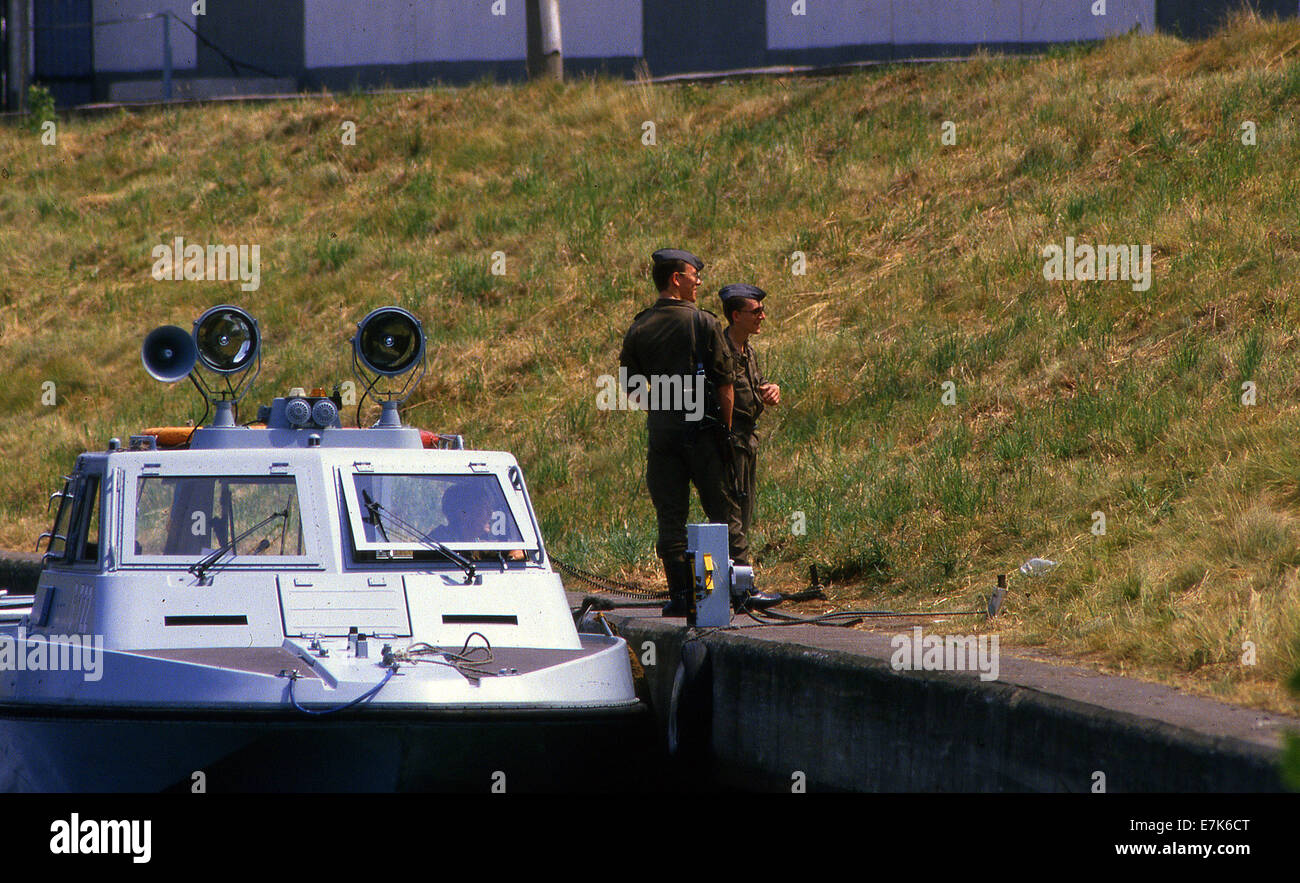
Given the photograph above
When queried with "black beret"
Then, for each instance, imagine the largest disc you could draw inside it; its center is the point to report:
(741, 289)
(664, 255)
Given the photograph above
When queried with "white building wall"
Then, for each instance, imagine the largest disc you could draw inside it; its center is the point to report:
(848, 22)
(344, 32)
(601, 28)
(1048, 20)
(339, 33)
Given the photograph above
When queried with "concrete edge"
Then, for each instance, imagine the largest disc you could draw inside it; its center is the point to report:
(849, 722)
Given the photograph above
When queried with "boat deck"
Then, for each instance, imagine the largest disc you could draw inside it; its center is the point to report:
(258, 660)
(273, 660)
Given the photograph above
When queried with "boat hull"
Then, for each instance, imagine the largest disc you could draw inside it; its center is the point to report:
(105, 750)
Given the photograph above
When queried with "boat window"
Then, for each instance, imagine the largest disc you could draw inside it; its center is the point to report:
(411, 510)
(58, 544)
(88, 520)
(191, 515)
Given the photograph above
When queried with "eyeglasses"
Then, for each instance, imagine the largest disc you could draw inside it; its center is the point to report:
(757, 311)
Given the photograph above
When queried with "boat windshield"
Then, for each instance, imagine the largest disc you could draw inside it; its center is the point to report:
(191, 515)
(414, 510)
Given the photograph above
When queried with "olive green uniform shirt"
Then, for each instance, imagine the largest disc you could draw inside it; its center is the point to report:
(747, 380)
(744, 435)
(659, 344)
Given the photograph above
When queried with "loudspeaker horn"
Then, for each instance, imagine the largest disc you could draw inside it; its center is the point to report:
(169, 353)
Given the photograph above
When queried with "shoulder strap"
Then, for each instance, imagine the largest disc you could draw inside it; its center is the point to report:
(696, 343)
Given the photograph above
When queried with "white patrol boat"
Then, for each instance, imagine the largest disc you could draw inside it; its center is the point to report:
(294, 605)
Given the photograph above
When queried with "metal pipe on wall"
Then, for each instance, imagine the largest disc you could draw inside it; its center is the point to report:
(17, 51)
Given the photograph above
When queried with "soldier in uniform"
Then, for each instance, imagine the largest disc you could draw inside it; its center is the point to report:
(743, 306)
(670, 339)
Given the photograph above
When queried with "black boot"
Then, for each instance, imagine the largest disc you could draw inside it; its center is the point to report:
(753, 599)
(756, 600)
(680, 579)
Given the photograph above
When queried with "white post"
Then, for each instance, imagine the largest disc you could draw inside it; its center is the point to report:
(545, 46)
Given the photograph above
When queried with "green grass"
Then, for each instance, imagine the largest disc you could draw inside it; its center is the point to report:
(923, 267)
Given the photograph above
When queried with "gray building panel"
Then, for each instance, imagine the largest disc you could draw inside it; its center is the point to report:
(960, 21)
(827, 23)
(262, 37)
(681, 35)
(341, 33)
(62, 58)
(1195, 19)
(137, 45)
(605, 29)
(1051, 21)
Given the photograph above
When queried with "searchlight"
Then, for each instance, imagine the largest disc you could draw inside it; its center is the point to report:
(389, 343)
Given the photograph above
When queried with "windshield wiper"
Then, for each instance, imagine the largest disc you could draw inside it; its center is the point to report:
(414, 533)
(201, 567)
(454, 556)
(372, 515)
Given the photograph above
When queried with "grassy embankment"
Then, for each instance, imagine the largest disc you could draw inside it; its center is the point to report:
(923, 265)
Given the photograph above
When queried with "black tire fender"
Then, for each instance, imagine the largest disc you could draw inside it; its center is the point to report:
(690, 708)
